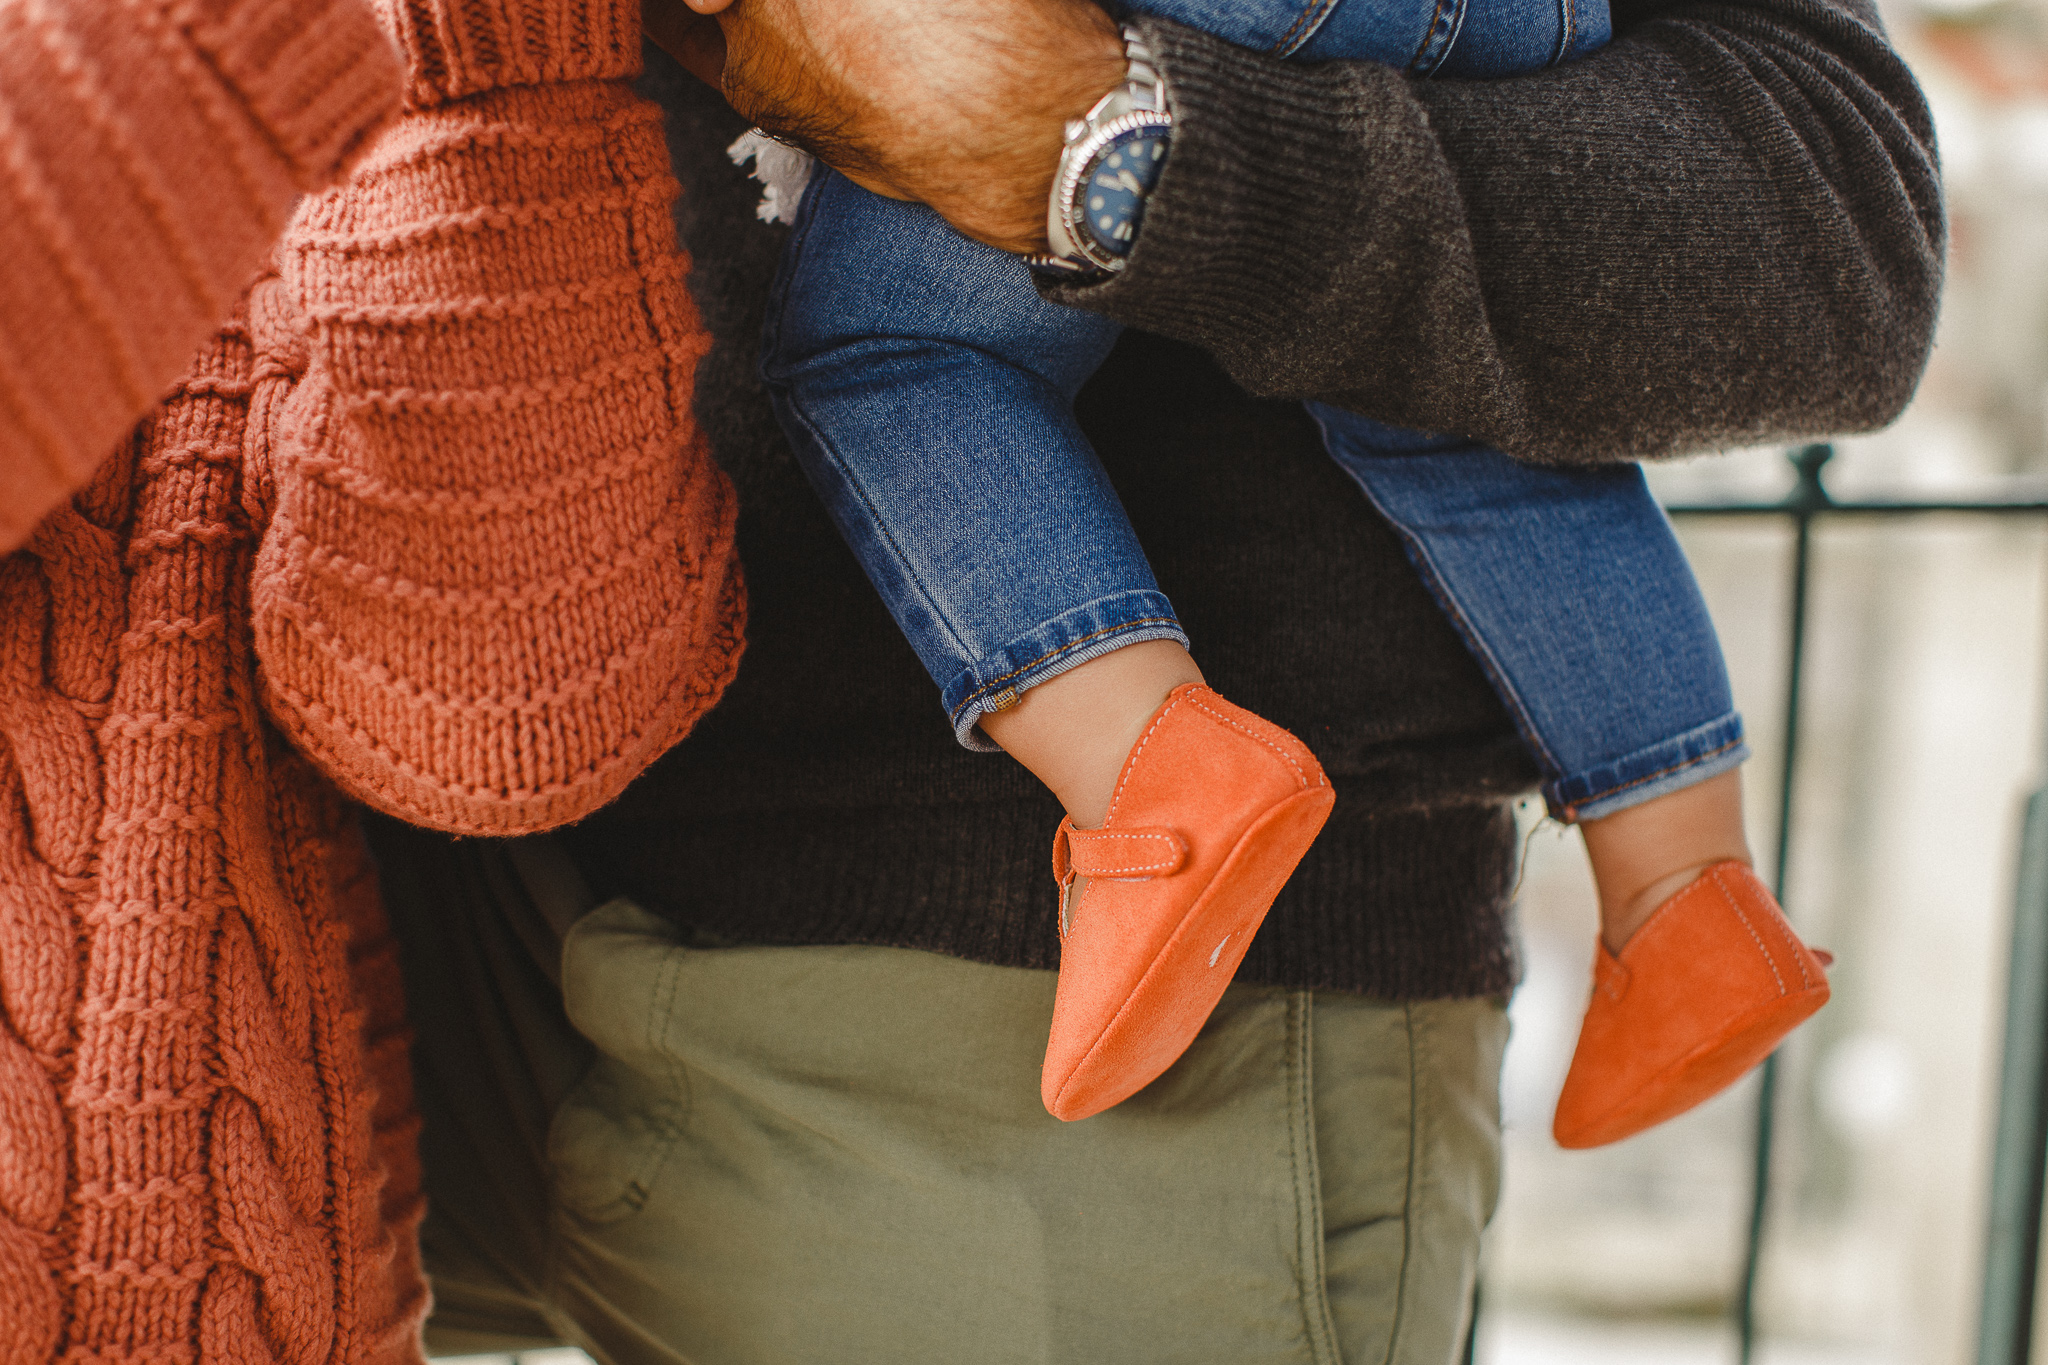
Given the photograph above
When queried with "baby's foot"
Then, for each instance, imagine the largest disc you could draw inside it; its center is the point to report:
(1211, 813)
(1704, 990)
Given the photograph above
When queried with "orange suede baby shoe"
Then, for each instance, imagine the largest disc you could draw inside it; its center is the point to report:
(1212, 811)
(1704, 991)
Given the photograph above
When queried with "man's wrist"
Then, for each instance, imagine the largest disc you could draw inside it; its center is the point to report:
(1110, 162)
(1072, 75)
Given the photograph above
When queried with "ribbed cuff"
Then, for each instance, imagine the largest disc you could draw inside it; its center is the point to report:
(1277, 175)
(1398, 905)
(319, 75)
(455, 48)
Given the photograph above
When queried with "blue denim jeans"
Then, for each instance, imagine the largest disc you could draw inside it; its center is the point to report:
(1476, 38)
(928, 391)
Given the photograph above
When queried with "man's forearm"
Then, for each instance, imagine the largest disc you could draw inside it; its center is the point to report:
(1724, 228)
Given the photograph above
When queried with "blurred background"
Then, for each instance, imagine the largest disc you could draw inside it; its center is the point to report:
(1921, 736)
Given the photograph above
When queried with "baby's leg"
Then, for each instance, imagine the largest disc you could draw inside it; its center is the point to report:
(1644, 854)
(928, 391)
(1575, 598)
(1573, 594)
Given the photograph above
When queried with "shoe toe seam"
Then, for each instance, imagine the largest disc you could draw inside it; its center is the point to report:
(1755, 937)
(1299, 775)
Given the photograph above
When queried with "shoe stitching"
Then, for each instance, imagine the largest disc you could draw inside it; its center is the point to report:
(1736, 906)
(1111, 834)
(1132, 762)
(1794, 946)
(1299, 775)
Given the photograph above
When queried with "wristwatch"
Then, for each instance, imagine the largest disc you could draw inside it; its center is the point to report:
(1111, 161)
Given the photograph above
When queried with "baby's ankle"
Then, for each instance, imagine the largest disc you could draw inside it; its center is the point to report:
(1645, 854)
(1622, 916)
(1075, 730)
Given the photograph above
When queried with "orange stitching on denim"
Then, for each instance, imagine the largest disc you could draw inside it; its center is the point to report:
(1573, 809)
(982, 690)
(1429, 34)
(1318, 11)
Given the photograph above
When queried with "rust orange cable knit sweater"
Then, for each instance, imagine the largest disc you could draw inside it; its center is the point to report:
(428, 517)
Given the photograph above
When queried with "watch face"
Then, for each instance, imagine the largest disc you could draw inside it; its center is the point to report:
(1111, 200)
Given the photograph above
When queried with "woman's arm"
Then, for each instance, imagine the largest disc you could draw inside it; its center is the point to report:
(498, 577)
(149, 156)
(1724, 228)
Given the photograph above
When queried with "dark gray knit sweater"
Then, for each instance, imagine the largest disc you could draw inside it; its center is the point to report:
(1725, 227)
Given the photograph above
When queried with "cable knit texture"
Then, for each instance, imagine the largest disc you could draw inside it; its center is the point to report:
(150, 152)
(495, 577)
(495, 427)
(206, 1148)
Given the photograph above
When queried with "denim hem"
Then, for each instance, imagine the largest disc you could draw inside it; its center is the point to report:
(1667, 766)
(994, 681)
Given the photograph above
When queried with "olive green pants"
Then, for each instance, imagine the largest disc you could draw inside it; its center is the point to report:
(772, 1156)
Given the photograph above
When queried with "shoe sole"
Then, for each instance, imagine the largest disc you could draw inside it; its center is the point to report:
(1187, 978)
(1702, 1074)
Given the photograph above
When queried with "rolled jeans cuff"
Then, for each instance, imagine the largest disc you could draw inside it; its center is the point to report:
(996, 680)
(1666, 766)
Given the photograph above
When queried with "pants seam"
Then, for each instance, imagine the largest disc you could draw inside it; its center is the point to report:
(1410, 1196)
(1317, 1320)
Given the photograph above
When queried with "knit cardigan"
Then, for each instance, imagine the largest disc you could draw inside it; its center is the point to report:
(427, 523)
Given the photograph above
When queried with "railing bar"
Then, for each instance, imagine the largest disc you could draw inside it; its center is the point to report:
(2019, 1160)
(1805, 501)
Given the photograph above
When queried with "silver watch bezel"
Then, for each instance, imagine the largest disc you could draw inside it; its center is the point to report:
(1138, 102)
(1068, 207)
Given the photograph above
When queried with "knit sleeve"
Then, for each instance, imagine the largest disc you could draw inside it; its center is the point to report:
(150, 153)
(499, 575)
(1725, 228)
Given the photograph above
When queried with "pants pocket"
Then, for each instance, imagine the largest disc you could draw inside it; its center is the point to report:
(614, 1131)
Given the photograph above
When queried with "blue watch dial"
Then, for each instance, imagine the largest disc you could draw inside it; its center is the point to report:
(1111, 199)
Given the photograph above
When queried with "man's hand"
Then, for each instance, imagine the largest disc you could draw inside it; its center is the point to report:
(959, 103)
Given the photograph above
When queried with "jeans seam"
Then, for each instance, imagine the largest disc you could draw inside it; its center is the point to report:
(1571, 810)
(1304, 28)
(1567, 22)
(982, 689)
(867, 503)
(800, 236)
(1455, 9)
(1432, 579)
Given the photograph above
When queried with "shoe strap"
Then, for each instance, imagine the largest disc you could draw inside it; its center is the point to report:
(1133, 854)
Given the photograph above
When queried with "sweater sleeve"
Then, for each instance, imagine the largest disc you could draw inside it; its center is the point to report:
(150, 153)
(1724, 228)
(497, 577)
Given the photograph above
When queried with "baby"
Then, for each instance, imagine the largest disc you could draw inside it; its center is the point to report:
(928, 389)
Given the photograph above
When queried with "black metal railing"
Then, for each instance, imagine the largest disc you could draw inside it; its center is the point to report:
(2012, 1252)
